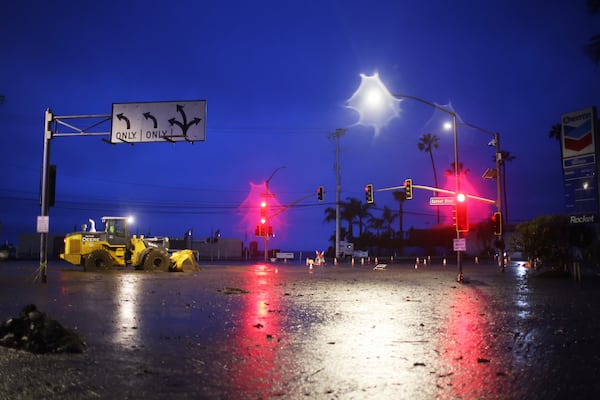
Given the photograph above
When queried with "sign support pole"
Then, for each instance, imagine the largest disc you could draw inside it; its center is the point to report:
(44, 195)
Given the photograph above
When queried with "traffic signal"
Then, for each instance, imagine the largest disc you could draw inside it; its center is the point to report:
(408, 188)
(263, 212)
(369, 193)
(461, 211)
(497, 219)
(320, 193)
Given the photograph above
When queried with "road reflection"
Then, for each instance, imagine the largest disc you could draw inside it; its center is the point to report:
(127, 331)
(471, 366)
(257, 365)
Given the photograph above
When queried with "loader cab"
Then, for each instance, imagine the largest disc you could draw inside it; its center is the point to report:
(117, 230)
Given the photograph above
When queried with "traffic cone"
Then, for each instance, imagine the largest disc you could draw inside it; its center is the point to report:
(362, 261)
(335, 261)
(376, 262)
(444, 262)
(353, 261)
(417, 263)
(391, 259)
(476, 260)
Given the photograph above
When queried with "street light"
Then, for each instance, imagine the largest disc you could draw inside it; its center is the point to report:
(267, 222)
(377, 106)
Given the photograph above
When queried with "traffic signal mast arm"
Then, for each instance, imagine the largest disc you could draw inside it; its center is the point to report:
(433, 189)
(292, 204)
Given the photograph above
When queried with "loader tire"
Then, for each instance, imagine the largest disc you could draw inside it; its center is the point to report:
(156, 260)
(98, 260)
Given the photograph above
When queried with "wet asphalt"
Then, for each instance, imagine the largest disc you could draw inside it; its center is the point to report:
(283, 331)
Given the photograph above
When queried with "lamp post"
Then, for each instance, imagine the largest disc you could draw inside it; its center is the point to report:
(375, 93)
(267, 222)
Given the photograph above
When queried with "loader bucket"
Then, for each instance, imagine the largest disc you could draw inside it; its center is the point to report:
(184, 260)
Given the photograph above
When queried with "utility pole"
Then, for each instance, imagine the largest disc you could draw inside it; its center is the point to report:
(338, 187)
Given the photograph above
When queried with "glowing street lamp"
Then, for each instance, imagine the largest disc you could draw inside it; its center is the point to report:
(376, 106)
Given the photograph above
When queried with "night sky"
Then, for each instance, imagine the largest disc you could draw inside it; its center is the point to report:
(276, 76)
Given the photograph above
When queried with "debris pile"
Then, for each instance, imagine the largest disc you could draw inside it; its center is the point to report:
(35, 332)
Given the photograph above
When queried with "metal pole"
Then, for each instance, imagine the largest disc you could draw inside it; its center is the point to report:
(267, 220)
(499, 195)
(338, 189)
(44, 194)
(267, 212)
(459, 278)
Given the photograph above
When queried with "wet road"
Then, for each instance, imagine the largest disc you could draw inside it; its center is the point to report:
(283, 331)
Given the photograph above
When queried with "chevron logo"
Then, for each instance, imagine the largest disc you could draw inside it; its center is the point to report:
(578, 137)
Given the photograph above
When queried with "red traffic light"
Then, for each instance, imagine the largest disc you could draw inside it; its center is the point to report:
(369, 194)
(461, 210)
(497, 220)
(263, 212)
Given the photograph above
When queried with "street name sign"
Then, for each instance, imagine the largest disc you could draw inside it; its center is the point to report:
(441, 201)
(171, 121)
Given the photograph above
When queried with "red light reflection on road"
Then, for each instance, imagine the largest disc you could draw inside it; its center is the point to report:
(472, 366)
(257, 341)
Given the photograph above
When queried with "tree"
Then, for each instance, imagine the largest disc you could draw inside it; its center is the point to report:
(377, 224)
(346, 214)
(593, 46)
(359, 212)
(427, 143)
(461, 169)
(388, 217)
(544, 238)
(400, 197)
(555, 132)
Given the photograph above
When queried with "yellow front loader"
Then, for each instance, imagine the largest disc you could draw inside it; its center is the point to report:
(115, 247)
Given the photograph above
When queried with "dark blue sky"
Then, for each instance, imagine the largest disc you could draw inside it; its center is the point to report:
(276, 76)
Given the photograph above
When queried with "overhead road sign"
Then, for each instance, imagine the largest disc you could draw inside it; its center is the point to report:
(171, 121)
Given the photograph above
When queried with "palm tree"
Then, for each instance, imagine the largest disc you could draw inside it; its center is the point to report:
(555, 132)
(400, 197)
(461, 169)
(346, 214)
(593, 47)
(377, 224)
(388, 216)
(427, 143)
(359, 211)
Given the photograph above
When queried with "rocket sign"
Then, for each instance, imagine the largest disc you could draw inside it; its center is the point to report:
(171, 121)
